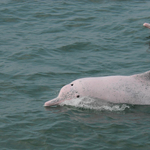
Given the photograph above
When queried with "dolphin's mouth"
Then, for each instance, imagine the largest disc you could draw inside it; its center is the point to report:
(52, 102)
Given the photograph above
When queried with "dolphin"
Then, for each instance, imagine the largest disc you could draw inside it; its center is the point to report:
(147, 25)
(133, 89)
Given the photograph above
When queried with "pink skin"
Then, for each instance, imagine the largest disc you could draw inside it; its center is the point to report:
(147, 25)
(133, 89)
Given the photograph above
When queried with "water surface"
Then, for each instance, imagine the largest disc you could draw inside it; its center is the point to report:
(47, 44)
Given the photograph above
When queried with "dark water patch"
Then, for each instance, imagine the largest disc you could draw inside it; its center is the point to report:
(53, 30)
(75, 46)
(138, 108)
(10, 20)
(42, 15)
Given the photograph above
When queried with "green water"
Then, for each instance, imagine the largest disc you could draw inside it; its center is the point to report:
(47, 44)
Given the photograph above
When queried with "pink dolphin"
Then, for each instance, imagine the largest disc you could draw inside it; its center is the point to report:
(134, 89)
(147, 25)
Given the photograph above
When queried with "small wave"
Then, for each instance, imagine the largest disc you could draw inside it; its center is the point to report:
(96, 104)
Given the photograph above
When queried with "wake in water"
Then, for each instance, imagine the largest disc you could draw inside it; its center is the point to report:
(96, 104)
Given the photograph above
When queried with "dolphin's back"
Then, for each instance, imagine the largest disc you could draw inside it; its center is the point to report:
(144, 76)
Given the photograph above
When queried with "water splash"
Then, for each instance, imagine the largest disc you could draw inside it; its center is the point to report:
(96, 104)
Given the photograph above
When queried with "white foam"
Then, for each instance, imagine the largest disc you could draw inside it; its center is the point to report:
(90, 103)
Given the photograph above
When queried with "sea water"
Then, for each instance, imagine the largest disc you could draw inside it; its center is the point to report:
(45, 45)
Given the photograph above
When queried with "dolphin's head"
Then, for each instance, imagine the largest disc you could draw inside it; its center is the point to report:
(67, 92)
(147, 25)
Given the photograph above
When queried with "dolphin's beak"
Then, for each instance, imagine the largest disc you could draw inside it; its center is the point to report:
(54, 101)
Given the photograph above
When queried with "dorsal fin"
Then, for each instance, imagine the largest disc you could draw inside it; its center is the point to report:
(144, 76)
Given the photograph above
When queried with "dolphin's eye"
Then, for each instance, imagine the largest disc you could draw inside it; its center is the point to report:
(71, 84)
(78, 96)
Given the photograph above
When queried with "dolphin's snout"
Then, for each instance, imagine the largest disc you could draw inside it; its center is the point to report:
(52, 102)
